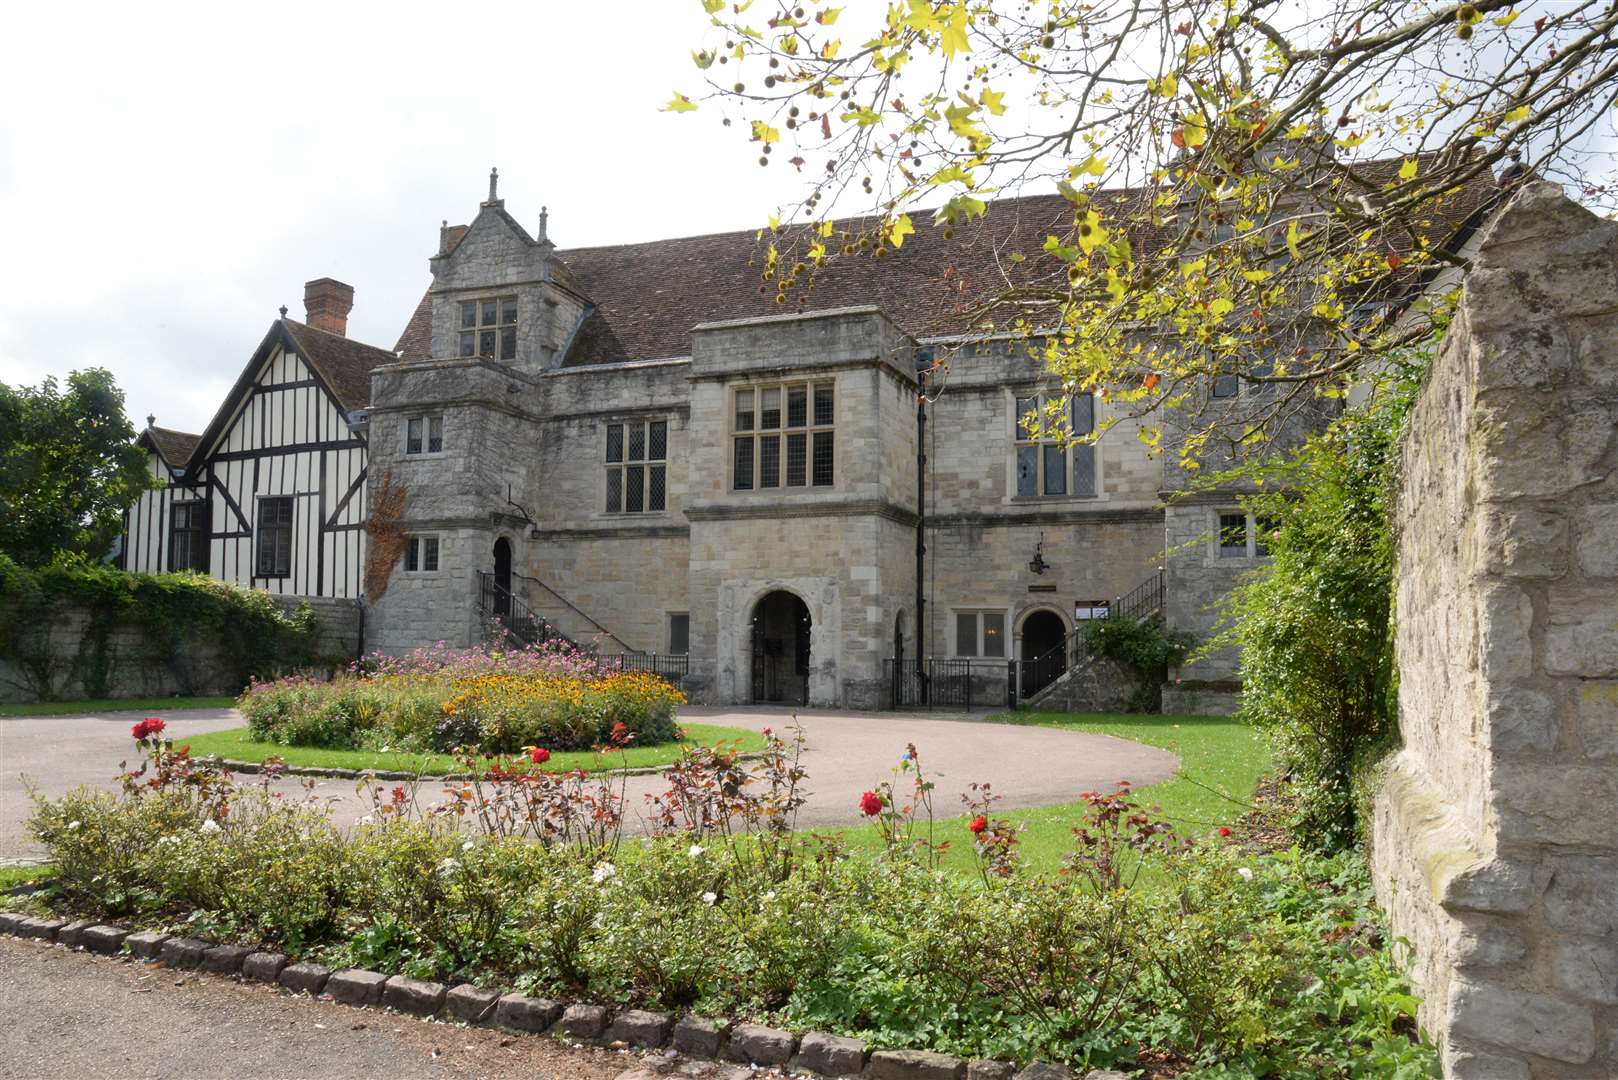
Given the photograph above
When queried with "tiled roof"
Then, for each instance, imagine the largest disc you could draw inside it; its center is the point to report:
(175, 446)
(344, 364)
(648, 296)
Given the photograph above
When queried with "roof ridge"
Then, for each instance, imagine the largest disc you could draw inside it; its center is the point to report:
(334, 336)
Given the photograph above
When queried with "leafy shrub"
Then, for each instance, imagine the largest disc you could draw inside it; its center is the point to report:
(1144, 646)
(1231, 965)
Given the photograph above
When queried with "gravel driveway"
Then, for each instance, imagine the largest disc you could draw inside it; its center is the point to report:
(848, 752)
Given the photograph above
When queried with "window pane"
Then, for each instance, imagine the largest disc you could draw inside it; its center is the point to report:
(966, 634)
(994, 634)
(657, 492)
(615, 490)
(635, 489)
(744, 464)
(435, 434)
(508, 344)
(1233, 536)
(1027, 470)
(490, 312)
(797, 460)
(769, 461)
(413, 435)
(429, 553)
(824, 412)
(469, 344)
(797, 406)
(615, 442)
(823, 459)
(1084, 470)
(1225, 386)
(679, 633)
(486, 343)
(1084, 414)
(1025, 405)
(413, 554)
(508, 310)
(744, 410)
(637, 442)
(1055, 469)
(469, 314)
(659, 449)
(769, 408)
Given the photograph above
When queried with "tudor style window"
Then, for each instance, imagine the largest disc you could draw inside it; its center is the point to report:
(275, 536)
(1044, 466)
(489, 328)
(1243, 536)
(188, 537)
(783, 436)
(637, 466)
(425, 434)
(421, 555)
(980, 633)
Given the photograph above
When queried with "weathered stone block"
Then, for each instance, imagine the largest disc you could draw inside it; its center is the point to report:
(69, 935)
(915, 1065)
(1500, 886)
(990, 1070)
(1529, 543)
(1579, 897)
(583, 1021)
(414, 996)
(225, 959)
(9, 921)
(639, 1028)
(1587, 968)
(263, 966)
(1522, 719)
(304, 978)
(147, 944)
(356, 986)
(1598, 718)
(1595, 533)
(1505, 624)
(755, 1044)
(518, 1012)
(1044, 1070)
(1492, 944)
(42, 929)
(1462, 1062)
(183, 953)
(472, 1004)
(104, 939)
(697, 1037)
(1581, 633)
(830, 1055)
(1532, 1023)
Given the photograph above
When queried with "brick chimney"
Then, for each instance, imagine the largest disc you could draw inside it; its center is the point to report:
(326, 304)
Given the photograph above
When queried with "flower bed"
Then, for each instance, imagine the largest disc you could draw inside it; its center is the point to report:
(440, 699)
(1229, 964)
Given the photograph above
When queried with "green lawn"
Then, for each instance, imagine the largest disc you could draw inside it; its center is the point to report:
(96, 706)
(237, 744)
(1221, 759)
(12, 876)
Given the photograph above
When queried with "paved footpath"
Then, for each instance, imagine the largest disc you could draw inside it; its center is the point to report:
(74, 1016)
(847, 753)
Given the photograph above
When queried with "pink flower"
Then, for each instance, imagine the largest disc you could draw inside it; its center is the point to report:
(871, 804)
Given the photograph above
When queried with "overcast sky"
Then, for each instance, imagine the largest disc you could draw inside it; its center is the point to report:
(171, 174)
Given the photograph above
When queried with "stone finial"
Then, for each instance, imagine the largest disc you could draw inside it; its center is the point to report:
(151, 419)
(494, 185)
(283, 311)
(544, 223)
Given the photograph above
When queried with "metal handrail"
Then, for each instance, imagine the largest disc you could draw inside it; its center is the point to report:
(1143, 601)
(580, 612)
(512, 612)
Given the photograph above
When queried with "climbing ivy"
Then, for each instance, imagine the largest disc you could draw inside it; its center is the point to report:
(1144, 646)
(181, 619)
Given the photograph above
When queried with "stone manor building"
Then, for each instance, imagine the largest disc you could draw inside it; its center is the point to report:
(641, 448)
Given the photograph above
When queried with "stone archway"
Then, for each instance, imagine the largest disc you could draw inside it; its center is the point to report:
(781, 628)
(1043, 636)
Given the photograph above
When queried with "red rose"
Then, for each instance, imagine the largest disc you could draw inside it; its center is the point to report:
(979, 824)
(147, 728)
(871, 803)
(1223, 831)
(538, 755)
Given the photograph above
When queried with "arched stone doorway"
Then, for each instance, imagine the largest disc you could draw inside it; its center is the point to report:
(781, 629)
(1044, 652)
(502, 576)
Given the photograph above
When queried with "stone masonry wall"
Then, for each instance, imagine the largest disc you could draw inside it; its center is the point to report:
(1495, 844)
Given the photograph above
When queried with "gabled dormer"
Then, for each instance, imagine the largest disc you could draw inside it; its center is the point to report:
(499, 292)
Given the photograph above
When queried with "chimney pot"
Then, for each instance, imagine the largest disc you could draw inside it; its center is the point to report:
(326, 304)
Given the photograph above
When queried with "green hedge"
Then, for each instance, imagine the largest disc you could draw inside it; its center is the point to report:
(180, 618)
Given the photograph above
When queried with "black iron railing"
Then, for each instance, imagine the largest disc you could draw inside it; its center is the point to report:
(1142, 602)
(514, 615)
(1035, 674)
(951, 684)
(671, 667)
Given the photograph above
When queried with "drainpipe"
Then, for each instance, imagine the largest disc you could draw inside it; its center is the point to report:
(924, 361)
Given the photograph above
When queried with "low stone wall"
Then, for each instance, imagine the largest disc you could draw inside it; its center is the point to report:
(342, 622)
(1194, 698)
(1495, 844)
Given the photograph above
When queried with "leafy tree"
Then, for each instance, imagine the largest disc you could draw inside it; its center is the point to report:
(1251, 182)
(69, 467)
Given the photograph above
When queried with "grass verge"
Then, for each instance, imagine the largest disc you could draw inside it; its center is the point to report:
(237, 744)
(12, 876)
(1221, 760)
(95, 706)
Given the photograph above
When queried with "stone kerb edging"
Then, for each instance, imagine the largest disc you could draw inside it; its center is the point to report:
(815, 1053)
(329, 773)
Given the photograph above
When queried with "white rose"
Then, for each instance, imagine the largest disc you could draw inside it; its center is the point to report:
(603, 872)
(73, 826)
(210, 825)
(708, 898)
(467, 846)
(696, 851)
(1245, 872)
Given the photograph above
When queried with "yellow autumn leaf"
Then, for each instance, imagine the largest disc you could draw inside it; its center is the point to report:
(991, 101)
(1167, 86)
(829, 16)
(764, 133)
(1517, 115)
(1095, 166)
(1194, 130)
(953, 38)
(1091, 234)
(900, 229)
(829, 50)
(1507, 19)
(1292, 240)
(680, 103)
(1220, 307)
(1407, 171)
